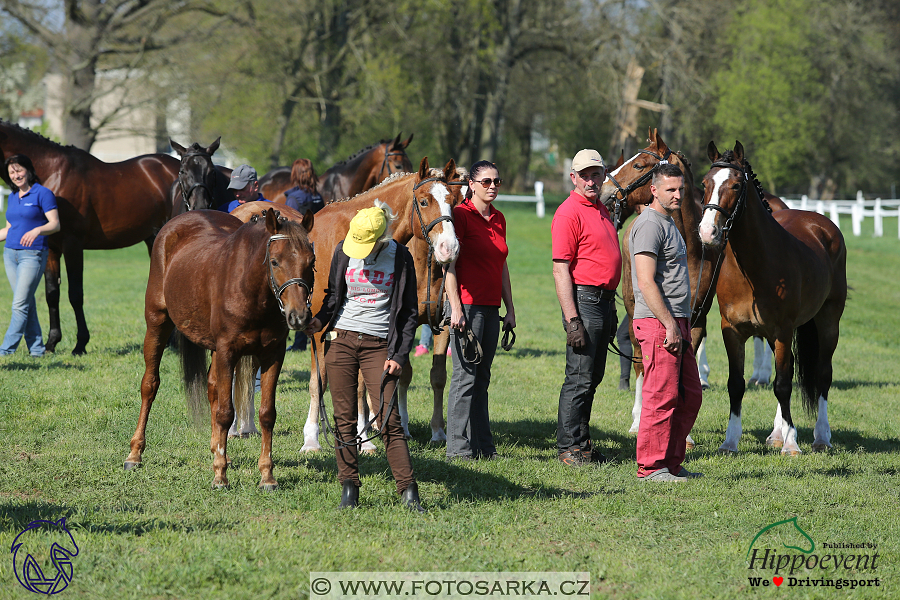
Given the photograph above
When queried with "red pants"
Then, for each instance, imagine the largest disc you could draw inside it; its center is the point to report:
(345, 357)
(671, 398)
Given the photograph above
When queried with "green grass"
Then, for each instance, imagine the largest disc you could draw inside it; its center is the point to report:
(161, 532)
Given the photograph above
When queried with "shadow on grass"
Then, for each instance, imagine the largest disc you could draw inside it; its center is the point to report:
(35, 364)
(536, 353)
(126, 349)
(852, 384)
(18, 513)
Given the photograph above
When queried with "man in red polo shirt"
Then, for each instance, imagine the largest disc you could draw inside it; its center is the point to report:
(587, 265)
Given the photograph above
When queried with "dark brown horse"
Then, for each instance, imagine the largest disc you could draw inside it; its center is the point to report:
(198, 185)
(362, 171)
(236, 289)
(423, 203)
(101, 206)
(783, 278)
(632, 180)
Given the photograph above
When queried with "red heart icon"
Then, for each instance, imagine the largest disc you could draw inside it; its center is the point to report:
(778, 580)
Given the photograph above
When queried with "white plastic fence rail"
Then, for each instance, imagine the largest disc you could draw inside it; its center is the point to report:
(857, 209)
(538, 198)
(4, 194)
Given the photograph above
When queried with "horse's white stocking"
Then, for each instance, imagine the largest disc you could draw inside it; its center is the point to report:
(311, 428)
(366, 447)
(790, 440)
(403, 410)
(822, 431)
(732, 434)
(638, 401)
(776, 438)
(702, 363)
(762, 362)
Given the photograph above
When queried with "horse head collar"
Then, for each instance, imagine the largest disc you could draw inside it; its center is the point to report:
(187, 191)
(278, 290)
(739, 206)
(621, 196)
(426, 229)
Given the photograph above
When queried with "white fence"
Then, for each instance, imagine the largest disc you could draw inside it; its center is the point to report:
(858, 210)
(4, 194)
(538, 198)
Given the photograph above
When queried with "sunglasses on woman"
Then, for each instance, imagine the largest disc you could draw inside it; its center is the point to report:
(487, 182)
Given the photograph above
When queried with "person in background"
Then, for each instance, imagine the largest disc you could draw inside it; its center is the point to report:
(369, 316)
(476, 282)
(31, 216)
(303, 197)
(587, 266)
(662, 310)
(245, 186)
(426, 341)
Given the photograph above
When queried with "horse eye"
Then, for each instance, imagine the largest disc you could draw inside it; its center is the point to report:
(274, 262)
(423, 202)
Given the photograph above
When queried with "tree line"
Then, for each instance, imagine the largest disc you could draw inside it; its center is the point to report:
(810, 87)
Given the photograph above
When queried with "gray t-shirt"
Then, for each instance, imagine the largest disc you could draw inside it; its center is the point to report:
(656, 233)
(370, 282)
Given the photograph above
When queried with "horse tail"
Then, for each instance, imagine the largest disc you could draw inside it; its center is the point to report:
(806, 355)
(244, 381)
(194, 372)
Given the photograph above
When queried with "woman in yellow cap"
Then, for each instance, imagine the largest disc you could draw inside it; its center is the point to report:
(370, 317)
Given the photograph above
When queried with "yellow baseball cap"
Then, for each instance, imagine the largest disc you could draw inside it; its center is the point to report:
(366, 228)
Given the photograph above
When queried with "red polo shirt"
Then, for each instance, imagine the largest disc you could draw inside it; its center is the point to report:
(482, 254)
(583, 234)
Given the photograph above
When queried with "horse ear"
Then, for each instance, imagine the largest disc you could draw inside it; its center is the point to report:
(177, 147)
(308, 220)
(739, 151)
(712, 152)
(450, 170)
(214, 146)
(272, 224)
(396, 141)
(423, 168)
(621, 160)
(405, 144)
(661, 145)
(650, 136)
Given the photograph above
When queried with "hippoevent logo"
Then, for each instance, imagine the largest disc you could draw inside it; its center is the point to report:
(784, 554)
(42, 556)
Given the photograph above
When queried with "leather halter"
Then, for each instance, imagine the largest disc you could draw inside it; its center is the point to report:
(637, 183)
(298, 281)
(186, 193)
(741, 201)
(385, 163)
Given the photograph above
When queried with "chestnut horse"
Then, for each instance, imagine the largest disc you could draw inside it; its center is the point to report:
(102, 206)
(236, 289)
(199, 184)
(630, 184)
(783, 278)
(423, 203)
(362, 171)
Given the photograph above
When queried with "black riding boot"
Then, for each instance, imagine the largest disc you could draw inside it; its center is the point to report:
(349, 496)
(410, 498)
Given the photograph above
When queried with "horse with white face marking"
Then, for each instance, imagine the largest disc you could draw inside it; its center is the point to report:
(783, 278)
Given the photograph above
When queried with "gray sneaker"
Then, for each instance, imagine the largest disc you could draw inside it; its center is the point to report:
(685, 473)
(663, 475)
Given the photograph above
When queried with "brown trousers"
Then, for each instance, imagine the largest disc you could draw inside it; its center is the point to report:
(345, 356)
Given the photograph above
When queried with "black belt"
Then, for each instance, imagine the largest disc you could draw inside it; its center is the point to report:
(604, 293)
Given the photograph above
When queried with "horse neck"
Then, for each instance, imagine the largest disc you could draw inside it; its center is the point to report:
(752, 234)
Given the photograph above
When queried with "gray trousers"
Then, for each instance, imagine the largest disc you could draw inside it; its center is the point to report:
(468, 421)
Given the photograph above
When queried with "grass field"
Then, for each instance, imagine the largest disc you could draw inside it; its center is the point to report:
(161, 532)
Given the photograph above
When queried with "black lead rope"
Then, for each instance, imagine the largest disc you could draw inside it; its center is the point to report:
(358, 439)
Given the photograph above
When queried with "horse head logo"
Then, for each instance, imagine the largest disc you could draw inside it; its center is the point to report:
(785, 529)
(62, 549)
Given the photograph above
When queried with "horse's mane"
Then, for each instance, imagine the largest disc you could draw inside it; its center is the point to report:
(728, 156)
(390, 179)
(38, 137)
(361, 152)
(295, 232)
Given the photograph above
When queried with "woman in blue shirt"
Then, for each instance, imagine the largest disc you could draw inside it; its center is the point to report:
(31, 215)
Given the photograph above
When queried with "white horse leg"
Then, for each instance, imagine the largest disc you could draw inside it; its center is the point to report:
(822, 431)
(776, 438)
(638, 401)
(790, 440)
(402, 409)
(732, 434)
(703, 364)
(311, 428)
(762, 362)
(366, 447)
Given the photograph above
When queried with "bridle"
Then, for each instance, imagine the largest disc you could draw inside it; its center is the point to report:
(436, 328)
(637, 183)
(386, 164)
(186, 192)
(298, 281)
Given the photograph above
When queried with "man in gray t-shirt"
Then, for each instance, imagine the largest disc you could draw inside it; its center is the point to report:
(662, 297)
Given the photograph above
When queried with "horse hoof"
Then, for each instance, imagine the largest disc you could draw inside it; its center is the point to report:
(311, 446)
(752, 381)
(79, 351)
(688, 445)
(129, 465)
(220, 486)
(821, 447)
(268, 487)
(774, 442)
(726, 452)
(368, 451)
(633, 430)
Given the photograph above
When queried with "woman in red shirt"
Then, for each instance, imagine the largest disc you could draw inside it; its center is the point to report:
(476, 283)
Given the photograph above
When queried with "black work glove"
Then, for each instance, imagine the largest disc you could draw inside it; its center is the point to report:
(575, 335)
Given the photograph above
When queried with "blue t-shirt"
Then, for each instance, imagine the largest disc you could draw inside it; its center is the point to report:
(27, 212)
(303, 201)
(234, 204)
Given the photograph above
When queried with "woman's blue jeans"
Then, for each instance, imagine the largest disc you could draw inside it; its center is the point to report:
(24, 269)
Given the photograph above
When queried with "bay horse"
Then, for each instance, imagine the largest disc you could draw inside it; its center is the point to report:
(102, 206)
(629, 185)
(197, 184)
(783, 278)
(236, 289)
(347, 178)
(423, 203)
